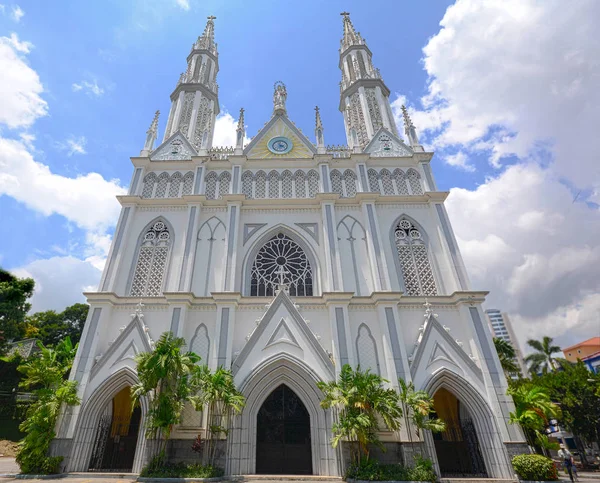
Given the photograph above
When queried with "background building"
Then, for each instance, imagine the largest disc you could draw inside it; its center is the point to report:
(502, 329)
(588, 351)
(284, 260)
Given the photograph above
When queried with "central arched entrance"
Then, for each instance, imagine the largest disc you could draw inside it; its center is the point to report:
(116, 435)
(283, 443)
(457, 448)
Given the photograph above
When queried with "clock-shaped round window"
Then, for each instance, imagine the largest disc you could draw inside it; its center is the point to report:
(280, 145)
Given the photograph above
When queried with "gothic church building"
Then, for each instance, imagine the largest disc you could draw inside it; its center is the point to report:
(283, 260)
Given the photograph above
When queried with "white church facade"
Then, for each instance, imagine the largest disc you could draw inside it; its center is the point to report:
(283, 260)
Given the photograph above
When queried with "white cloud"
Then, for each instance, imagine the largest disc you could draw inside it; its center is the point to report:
(59, 281)
(17, 13)
(459, 160)
(92, 89)
(20, 86)
(225, 130)
(73, 145)
(184, 4)
(519, 78)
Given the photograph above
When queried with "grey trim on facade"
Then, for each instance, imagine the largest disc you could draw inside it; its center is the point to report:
(332, 251)
(230, 235)
(115, 248)
(236, 175)
(222, 350)
(175, 320)
(86, 350)
(395, 343)
(429, 177)
(363, 177)
(134, 181)
(198, 180)
(187, 249)
(485, 346)
(376, 247)
(462, 279)
(325, 178)
(341, 333)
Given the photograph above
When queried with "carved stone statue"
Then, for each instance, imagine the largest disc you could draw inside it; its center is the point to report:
(279, 97)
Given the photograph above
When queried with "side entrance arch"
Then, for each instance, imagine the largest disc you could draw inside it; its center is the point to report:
(283, 435)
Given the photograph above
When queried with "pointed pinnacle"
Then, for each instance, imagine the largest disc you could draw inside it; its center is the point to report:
(240, 126)
(154, 125)
(350, 36)
(407, 120)
(318, 122)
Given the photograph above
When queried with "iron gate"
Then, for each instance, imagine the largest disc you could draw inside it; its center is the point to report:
(458, 452)
(115, 443)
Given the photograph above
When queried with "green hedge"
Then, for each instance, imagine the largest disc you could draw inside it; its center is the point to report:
(159, 469)
(534, 467)
(372, 470)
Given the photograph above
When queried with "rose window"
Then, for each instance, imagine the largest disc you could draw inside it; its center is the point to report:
(281, 261)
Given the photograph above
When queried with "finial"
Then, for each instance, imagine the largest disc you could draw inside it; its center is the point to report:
(279, 98)
(428, 312)
(207, 39)
(211, 18)
(350, 36)
(240, 132)
(407, 120)
(240, 125)
(319, 132)
(409, 130)
(138, 312)
(151, 135)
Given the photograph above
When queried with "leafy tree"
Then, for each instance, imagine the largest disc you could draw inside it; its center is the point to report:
(506, 354)
(543, 359)
(362, 401)
(167, 375)
(533, 407)
(51, 327)
(219, 396)
(73, 319)
(417, 407)
(46, 372)
(14, 293)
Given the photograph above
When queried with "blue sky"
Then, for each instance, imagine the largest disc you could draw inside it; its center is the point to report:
(487, 89)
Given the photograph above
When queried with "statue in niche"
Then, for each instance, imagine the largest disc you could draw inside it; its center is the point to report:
(279, 97)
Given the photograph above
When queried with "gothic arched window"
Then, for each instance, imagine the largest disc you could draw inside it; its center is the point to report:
(151, 262)
(260, 190)
(149, 182)
(161, 186)
(286, 184)
(211, 185)
(188, 183)
(336, 182)
(273, 184)
(366, 350)
(414, 180)
(200, 344)
(224, 181)
(350, 183)
(313, 183)
(174, 187)
(279, 260)
(247, 180)
(414, 259)
(400, 179)
(373, 181)
(386, 182)
(300, 184)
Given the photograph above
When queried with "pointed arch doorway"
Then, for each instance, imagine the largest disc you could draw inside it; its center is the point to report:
(283, 444)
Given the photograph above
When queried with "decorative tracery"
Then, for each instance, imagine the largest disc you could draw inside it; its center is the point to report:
(151, 262)
(281, 261)
(414, 260)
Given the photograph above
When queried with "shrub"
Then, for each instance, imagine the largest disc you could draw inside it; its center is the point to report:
(372, 470)
(534, 467)
(157, 468)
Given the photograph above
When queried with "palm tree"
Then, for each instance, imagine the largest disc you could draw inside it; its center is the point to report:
(543, 358)
(362, 401)
(45, 372)
(166, 374)
(417, 407)
(506, 354)
(219, 396)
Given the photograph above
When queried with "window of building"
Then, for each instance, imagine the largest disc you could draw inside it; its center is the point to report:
(151, 262)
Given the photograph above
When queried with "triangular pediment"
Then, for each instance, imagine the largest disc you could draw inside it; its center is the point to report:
(131, 341)
(438, 349)
(280, 126)
(387, 145)
(176, 148)
(282, 331)
(282, 334)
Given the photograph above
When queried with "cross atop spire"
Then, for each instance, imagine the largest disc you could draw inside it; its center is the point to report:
(207, 40)
(351, 36)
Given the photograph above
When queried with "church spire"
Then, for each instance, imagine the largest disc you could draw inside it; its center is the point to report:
(409, 130)
(195, 100)
(364, 97)
(319, 132)
(240, 132)
(151, 135)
